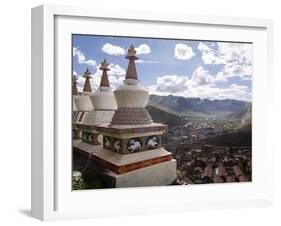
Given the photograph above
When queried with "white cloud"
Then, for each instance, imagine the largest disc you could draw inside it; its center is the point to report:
(116, 75)
(80, 81)
(82, 58)
(147, 61)
(171, 84)
(224, 53)
(236, 58)
(235, 52)
(183, 52)
(200, 84)
(112, 49)
(117, 50)
(200, 76)
(174, 84)
(208, 55)
(231, 70)
(116, 70)
(143, 49)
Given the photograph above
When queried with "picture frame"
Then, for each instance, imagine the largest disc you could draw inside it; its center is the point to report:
(52, 198)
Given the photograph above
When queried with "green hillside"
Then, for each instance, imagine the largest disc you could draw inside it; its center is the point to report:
(162, 115)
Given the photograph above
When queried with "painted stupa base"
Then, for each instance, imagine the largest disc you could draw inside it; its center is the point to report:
(86, 149)
(160, 174)
(131, 116)
(87, 129)
(89, 134)
(76, 133)
(135, 150)
(121, 164)
(131, 139)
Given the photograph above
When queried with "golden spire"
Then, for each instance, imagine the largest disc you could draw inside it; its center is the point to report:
(87, 85)
(131, 70)
(74, 85)
(104, 78)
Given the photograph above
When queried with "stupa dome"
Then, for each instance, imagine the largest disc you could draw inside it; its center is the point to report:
(131, 96)
(84, 103)
(74, 107)
(103, 100)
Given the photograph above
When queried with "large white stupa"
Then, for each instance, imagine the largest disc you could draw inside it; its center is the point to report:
(132, 154)
(131, 97)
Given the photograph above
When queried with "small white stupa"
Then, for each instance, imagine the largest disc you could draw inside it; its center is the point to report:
(75, 112)
(103, 101)
(83, 102)
(74, 94)
(104, 104)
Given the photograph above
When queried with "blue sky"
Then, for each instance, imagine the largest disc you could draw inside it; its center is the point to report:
(213, 70)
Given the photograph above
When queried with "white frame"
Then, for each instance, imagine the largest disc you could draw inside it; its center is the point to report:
(43, 104)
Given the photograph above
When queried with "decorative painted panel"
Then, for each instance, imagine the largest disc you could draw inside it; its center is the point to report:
(134, 145)
(152, 142)
(107, 143)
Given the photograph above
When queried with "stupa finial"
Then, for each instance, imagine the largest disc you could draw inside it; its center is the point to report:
(132, 53)
(87, 86)
(104, 78)
(104, 65)
(74, 85)
(131, 70)
(87, 73)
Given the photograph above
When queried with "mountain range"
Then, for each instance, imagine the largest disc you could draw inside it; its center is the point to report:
(185, 106)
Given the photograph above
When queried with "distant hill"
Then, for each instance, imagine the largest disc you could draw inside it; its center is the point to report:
(197, 106)
(163, 115)
(244, 114)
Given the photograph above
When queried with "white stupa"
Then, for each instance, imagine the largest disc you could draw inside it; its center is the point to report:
(103, 101)
(83, 102)
(104, 104)
(75, 111)
(132, 154)
(74, 94)
(131, 97)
